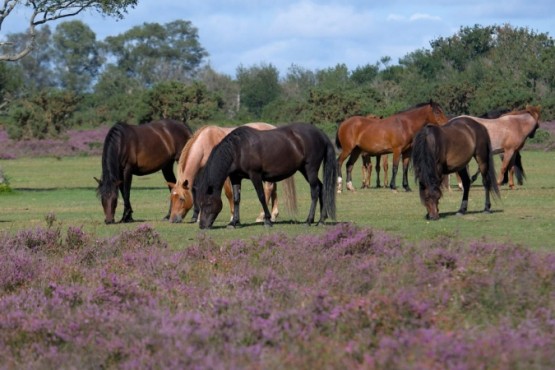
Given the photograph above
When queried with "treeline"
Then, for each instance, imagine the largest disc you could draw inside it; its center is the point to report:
(160, 71)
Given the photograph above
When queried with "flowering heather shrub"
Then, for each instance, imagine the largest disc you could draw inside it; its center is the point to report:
(74, 142)
(349, 298)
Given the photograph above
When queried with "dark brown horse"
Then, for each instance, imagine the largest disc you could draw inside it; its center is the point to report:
(272, 155)
(392, 134)
(441, 150)
(137, 150)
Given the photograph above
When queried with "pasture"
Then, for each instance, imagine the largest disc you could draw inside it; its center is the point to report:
(76, 293)
(65, 187)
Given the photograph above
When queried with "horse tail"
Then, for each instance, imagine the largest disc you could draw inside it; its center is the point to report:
(492, 176)
(111, 161)
(519, 170)
(290, 193)
(330, 178)
(337, 141)
(425, 158)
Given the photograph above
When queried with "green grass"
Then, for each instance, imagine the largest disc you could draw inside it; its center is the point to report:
(66, 188)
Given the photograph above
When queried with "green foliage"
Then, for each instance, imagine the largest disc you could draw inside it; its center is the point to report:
(153, 53)
(259, 86)
(43, 115)
(76, 56)
(188, 103)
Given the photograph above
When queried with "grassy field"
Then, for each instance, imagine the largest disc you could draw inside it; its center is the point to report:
(66, 188)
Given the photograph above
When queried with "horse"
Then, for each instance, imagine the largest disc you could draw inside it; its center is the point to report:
(441, 150)
(272, 156)
(137, 150)
(392, 134)
(508, 134)
(194, 156)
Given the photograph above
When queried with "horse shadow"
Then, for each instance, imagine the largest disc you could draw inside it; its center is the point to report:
(456, 214)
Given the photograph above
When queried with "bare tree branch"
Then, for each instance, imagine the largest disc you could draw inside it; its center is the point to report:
(44, 11)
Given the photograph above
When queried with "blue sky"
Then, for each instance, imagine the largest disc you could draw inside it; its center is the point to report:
(318, 34)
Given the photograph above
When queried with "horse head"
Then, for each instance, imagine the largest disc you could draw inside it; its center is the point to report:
(181, 201)
(438, 116)
(108, 193)
(534, 111)
(429, 196)
(210, 203)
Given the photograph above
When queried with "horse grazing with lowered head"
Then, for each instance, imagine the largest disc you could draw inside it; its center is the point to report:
(193, 158)
(392, 134)
(137, 150)
(508, 134)
(441, 150)
(272, 155)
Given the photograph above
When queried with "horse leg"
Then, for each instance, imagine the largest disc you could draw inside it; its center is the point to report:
(169, 176)
(396, 158)
(508, 155)
(342, 156)
(378, 182)
(385, 165)
(465, 179)
(406, 162)
(260, 191)
(125, 188)
(355, 153)
(270, 194)
(366, 170)
(229, 195)
(235, 220)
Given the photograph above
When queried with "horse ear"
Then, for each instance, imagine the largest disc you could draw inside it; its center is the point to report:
(171, 185)
(97, 180)
(186, 185)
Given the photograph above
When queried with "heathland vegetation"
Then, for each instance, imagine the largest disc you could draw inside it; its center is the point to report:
(381, 288)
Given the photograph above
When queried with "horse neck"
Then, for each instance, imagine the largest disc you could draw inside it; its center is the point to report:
(111, 155)
(524, 121)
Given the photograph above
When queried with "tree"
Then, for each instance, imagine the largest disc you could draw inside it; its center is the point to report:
(154, 53)
(36, 67)
(259, 86)
(48, 10)
(45, 11)
(76, 56)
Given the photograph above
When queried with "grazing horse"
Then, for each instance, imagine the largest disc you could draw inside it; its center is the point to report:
(392, 134)
(137, 150)
(194, 157)
(508, 134)
(271, 155)
(441, 150)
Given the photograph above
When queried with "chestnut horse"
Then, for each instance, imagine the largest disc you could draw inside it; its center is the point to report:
(508, 134)
(194, 157)
(392, 134)
(137, 150)
(272, 155)
(441, 150)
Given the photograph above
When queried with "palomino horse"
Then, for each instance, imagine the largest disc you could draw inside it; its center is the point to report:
(194, 157)
(508, 134)
(392, 134)
(271, 155)
(137, 150)
(441, 150)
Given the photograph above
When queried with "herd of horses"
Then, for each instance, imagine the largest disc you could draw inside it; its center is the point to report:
(215, 158)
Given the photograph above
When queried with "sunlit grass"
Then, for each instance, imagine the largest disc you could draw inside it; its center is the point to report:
(66, 188)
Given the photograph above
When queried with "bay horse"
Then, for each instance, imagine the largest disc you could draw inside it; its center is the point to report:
(508, 134)
(194, 156)
(441, 150)
(271, 155)
(391, 134)
(137, 150)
